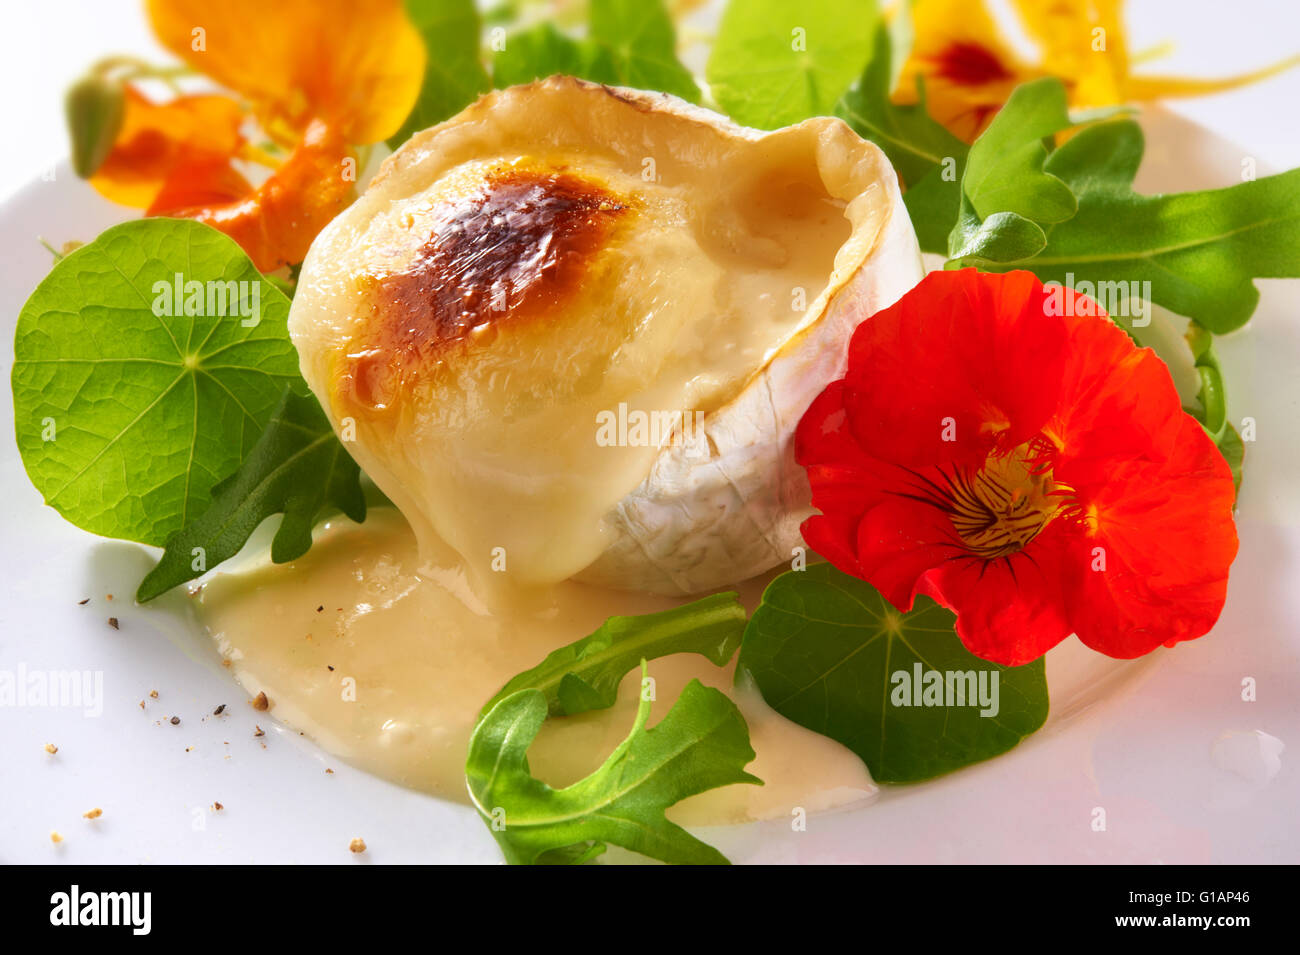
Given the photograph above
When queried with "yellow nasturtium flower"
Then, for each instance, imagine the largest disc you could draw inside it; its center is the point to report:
(969, 70)
(319, 77)
(355, 64)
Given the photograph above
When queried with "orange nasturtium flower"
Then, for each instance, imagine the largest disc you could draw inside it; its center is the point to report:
(318, 76)
(1006, 450)
(969, 70)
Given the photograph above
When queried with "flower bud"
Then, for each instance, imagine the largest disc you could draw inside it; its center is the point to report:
(94, 106)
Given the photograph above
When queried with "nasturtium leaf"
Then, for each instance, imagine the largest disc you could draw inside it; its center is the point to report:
(928, 158)
(128, 410)
(298, 468)
(453, 72)
(827, 651)
(537, 52)
(640, 44)
(702, 743)
(585, 675)
(775, 63)
(628, 43)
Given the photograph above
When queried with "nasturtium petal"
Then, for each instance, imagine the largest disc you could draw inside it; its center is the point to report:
(358, 64)
(277, 223)
(830, 653)
(159, 141)
(968, 69)
(125, 415)
(775, 63)
(1083, 41)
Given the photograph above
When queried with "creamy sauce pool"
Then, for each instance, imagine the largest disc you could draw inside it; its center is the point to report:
(387, 667)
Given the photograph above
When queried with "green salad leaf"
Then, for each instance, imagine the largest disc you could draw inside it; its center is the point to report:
(1200, 251)
(585, 675)
(628, 43)
(1004, 169)
(1233, 450)
(702, 743)
(146, 365)
(639, 43)
(298, 468)
(1213, 398)
(827, 651)
(453, 74)
(538, 52)
(775, 63)
(929, 159)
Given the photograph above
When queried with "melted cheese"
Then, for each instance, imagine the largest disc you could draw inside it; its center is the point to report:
(487, 312)
(391, 674)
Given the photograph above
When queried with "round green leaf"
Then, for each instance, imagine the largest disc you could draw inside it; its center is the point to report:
(127, 409)
(830, 653)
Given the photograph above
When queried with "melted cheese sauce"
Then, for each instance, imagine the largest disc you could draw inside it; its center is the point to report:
(387, 665)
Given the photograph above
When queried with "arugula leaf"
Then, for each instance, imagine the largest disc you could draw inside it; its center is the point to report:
(1003, 234)
(929, 159)
(1213, 398)
(126, 413)
(298, 468)
(701, 744)
(1200, 251)
(1213, 413)
(453, 74)
(775, 63)
(1004, 169)
(628, 43)
(585, 675)
(1233, 450)
(826, 651)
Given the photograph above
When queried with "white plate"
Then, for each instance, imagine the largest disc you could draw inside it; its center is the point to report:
(1164, 750)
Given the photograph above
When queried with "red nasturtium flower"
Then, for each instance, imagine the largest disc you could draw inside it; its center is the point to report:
(1032, 471)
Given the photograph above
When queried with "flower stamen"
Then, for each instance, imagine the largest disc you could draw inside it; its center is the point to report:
(1006, 504)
